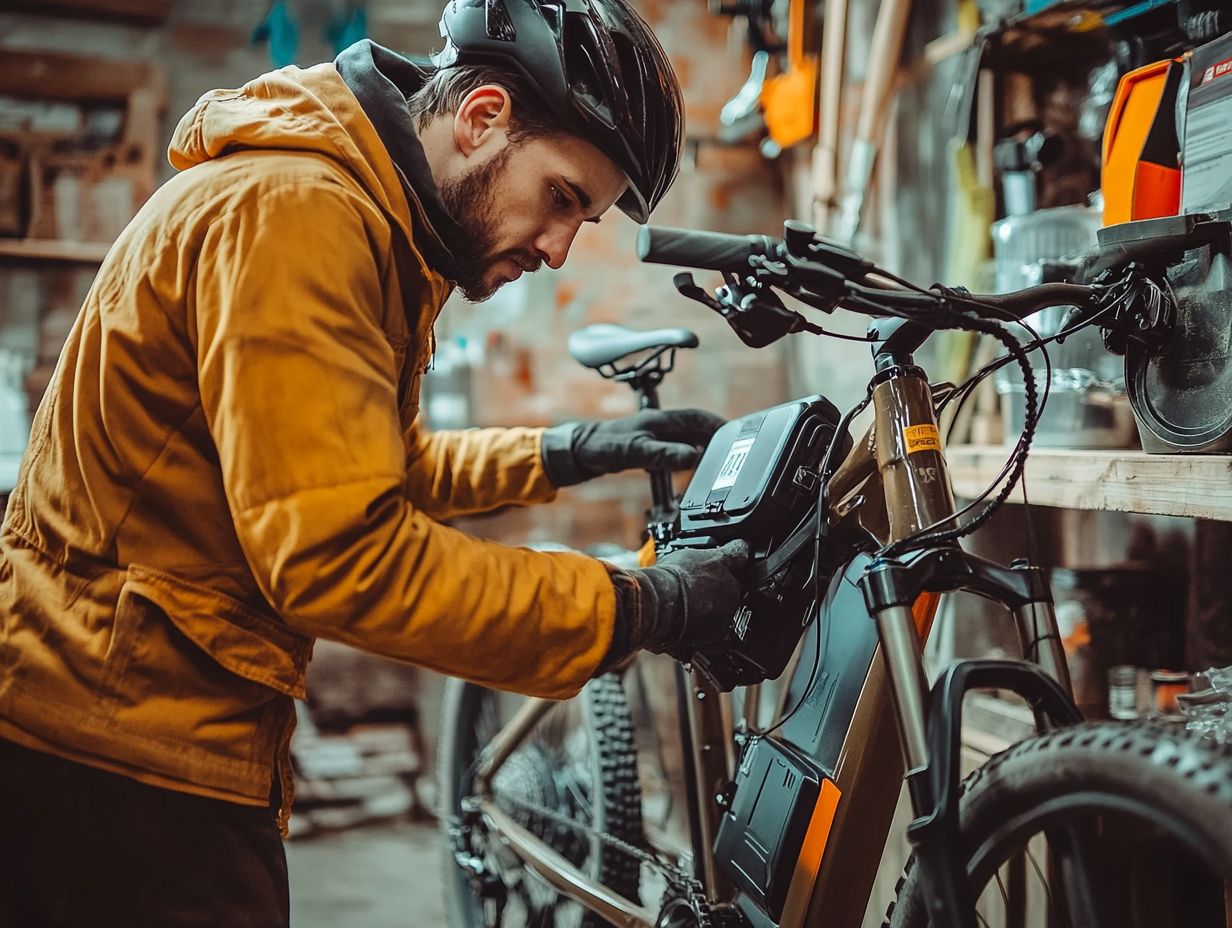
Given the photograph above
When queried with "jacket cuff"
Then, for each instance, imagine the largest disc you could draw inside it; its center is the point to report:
(627, 629)
(556, 452)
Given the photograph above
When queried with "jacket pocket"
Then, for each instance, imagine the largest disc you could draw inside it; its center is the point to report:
(199, 683)
(243, 641)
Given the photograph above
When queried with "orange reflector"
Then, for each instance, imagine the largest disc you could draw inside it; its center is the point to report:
(809, 861)
(924, 611)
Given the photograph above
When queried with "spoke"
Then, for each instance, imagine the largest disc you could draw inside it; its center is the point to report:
(488, 722)
(582, 801)
(553, 727)
(1047, 888)
(1075, 867)
(1005, 897)
(545, 916)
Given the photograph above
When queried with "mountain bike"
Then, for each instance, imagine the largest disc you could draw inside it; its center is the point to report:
(1085, 824)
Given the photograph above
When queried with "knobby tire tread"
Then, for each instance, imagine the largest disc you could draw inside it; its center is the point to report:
(1194, 779)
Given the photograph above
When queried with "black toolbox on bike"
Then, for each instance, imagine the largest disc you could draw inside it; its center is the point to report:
(757, 476)
(758, 481)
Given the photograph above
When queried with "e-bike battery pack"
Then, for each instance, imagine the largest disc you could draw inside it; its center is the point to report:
(758, 481)
(762, 833)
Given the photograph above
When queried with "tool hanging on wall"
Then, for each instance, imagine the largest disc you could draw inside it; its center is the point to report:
(825, 156)
(782, 106)
(883, 58)
(789, 100)
(346, 26)
(741, 116)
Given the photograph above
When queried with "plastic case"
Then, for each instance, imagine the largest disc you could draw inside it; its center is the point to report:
(758, 481)
(758, 476)
(761, 835)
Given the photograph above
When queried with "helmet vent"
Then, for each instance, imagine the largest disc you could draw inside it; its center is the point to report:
(499, 25)
(581, 70)
(553, 15)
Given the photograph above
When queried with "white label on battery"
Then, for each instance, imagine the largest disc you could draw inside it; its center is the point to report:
(736, 456)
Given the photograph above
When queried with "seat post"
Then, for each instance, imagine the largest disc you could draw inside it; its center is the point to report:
(647, 391)
(662, 494)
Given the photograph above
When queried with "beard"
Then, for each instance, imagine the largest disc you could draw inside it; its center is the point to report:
(471, 200)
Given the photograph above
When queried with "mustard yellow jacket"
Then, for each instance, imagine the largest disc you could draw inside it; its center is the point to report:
(227, 465)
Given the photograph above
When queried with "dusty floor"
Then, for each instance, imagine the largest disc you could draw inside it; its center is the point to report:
(372, 876)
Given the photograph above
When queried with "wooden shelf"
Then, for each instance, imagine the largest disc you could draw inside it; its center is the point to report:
(29, 249)
(1197, 486)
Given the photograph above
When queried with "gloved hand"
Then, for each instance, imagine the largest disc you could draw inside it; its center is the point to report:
(654, 439)
(688, 598)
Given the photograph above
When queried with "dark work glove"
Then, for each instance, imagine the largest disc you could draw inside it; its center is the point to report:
(689, 597)
(653, 439)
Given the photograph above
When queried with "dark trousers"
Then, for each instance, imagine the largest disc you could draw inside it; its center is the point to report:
(82, 847)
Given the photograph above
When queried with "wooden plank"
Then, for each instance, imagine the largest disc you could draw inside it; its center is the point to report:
(131, 11)
(58, 76)
(27, 249)
(1197, 486)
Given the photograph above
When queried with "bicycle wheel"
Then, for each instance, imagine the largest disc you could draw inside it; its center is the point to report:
(578, 762)
(1100, 825)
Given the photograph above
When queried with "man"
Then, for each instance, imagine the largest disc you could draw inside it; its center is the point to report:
(227, 463)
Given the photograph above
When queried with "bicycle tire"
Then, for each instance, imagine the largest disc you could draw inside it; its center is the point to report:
(1132, 765)
(616, 796)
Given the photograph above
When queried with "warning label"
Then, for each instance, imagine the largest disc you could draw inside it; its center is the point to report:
(922, 438)
(1217, 70)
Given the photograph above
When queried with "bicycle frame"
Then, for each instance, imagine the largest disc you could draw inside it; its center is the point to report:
(893, 484)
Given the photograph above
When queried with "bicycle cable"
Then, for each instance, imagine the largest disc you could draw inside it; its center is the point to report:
(931, 535)
(1018, 352)
(823, 640)
(964, 392)
(960, 393)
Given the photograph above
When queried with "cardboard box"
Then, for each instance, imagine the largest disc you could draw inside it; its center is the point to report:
(1207, 154)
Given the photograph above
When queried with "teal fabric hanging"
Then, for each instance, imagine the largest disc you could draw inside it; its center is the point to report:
(347, 27)
(281, 31)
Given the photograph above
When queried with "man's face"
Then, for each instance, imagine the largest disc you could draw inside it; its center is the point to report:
(523, 206)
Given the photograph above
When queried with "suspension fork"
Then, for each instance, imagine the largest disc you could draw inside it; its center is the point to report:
(912, 467)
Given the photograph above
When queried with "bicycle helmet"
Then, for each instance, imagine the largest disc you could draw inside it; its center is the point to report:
(599, 68)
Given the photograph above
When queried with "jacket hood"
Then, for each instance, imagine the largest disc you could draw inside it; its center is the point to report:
(295, 109)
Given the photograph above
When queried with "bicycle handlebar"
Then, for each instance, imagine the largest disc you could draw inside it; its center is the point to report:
(1017, 303)
(710, 251)
(825, 275)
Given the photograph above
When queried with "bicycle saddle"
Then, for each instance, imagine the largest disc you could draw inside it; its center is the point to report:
(602, 344)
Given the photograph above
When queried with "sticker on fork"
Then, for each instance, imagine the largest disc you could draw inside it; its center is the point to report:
(922, 438)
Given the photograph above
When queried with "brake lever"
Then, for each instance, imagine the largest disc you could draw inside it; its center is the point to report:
(687, 286)
(758, 317)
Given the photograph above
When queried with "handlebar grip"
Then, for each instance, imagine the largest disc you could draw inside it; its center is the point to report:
(1021, 303)
(712, 251)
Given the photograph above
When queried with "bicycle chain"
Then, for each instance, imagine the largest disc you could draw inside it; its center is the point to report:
(682, 881)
